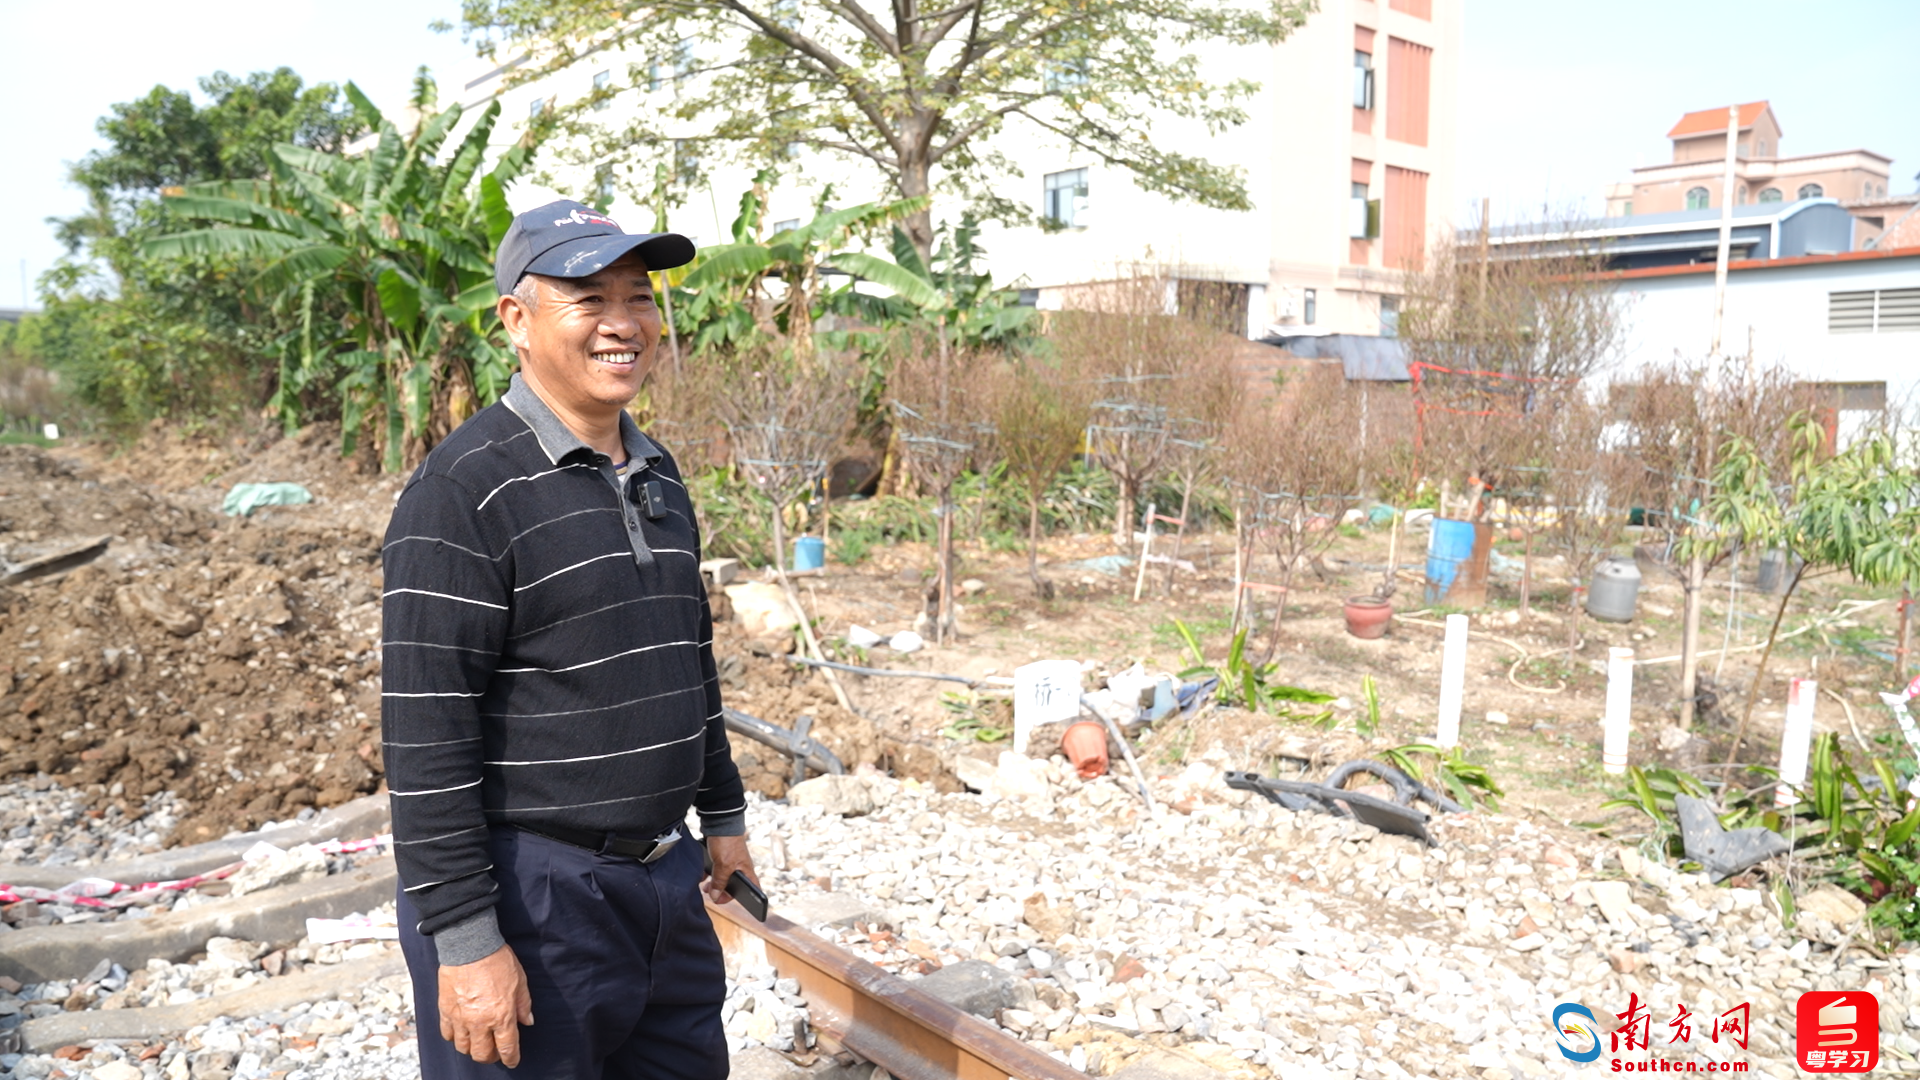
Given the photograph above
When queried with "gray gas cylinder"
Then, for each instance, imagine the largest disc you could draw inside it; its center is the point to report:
(1615, 591)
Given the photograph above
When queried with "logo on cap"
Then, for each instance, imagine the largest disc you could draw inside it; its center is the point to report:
(575, 217)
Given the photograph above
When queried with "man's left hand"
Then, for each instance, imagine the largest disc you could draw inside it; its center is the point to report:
(729, 853)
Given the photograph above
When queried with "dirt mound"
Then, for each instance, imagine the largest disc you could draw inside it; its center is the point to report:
(231, 661)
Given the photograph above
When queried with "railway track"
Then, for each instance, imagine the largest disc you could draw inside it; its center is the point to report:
(877, 1017)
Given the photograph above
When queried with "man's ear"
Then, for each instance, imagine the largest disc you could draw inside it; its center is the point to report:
(516, 318)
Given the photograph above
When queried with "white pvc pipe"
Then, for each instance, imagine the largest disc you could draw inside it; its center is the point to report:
(1795, 741)
(1453, 680)
(1619, 719)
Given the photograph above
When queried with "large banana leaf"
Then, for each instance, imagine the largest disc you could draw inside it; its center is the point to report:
(729, 263)
(905, 283)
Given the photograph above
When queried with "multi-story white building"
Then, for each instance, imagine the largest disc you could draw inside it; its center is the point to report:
(1347, 156)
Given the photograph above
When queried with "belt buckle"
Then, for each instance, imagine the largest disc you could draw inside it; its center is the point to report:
(661, 846)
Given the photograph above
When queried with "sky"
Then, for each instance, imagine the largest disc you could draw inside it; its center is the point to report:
(1557, 99)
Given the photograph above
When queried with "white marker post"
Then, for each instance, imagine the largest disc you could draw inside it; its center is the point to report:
(1619, 718)
(1795, 741)
(1453, 679)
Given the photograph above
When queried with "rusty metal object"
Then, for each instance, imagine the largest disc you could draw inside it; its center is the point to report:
(879, 1017)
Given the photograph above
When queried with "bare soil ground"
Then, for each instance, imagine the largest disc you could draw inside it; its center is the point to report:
(235, 661)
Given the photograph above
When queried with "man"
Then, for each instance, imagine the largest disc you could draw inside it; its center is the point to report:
(551, 708)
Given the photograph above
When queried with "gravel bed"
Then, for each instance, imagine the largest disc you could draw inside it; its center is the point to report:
(1263, 942)
(46, 824)
(1274, 943)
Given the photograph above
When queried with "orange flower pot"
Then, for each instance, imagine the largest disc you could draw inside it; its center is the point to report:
(1085, 744)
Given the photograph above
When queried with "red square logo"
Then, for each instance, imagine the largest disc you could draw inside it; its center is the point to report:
(1837, 1031)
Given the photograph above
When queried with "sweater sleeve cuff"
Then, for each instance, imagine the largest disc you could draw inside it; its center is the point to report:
(475, 937)
(733, 824)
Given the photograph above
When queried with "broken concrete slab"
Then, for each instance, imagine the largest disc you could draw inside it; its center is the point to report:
(1165, 1065)
(846, 796)
(975, 986)
(1615, 901)
(1720, 852)
(833, 909)
(276, 916)
(322, 982)
(355, 820)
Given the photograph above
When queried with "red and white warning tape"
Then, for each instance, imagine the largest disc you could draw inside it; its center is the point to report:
(96, 892)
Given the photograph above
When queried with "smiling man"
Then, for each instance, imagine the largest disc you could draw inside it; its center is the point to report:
(551, 709)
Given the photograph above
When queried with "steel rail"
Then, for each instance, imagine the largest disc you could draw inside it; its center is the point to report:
(881, 1018)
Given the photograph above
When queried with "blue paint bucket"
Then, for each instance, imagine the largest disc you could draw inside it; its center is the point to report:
(809, 553)
(1449, 548)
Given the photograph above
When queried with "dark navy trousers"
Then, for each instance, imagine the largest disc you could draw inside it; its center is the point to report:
(621, 958)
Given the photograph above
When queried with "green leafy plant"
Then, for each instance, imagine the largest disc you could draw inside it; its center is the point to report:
(382, 260)
(1250, 685)
(1369, 722)
(971, 718)
(1852, 828)
(1466, 782)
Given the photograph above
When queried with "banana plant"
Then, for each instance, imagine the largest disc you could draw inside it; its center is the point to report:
(384, 257)
(753, 289)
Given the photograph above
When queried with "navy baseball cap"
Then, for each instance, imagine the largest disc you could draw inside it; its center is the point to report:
(567, 239)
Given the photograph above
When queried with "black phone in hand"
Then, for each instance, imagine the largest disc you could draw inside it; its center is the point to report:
(749, 896)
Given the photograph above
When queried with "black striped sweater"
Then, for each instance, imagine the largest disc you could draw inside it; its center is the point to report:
(548, 657)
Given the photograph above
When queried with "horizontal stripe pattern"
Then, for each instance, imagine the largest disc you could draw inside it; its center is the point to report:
(536, 670)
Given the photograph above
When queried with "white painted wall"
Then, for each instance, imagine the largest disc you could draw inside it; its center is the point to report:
(1784, 309)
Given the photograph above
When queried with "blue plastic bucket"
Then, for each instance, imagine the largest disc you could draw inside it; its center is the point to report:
(809, 553)
(1449, 547)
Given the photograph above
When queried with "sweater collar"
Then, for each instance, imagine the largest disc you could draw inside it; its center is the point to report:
(558, 440)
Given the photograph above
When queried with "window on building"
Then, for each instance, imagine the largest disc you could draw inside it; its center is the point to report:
(1409, 73)
(1309, 306)
(1811, 191)
(783, 225)
(1873, 311)
(1626, 208)
(1740, 198)
(1763, 148)
(1698, 199)
(602, 81)
(1771, 194)
(1389, 316)
(1065, 196)
(1363, 213)
(1362, 80)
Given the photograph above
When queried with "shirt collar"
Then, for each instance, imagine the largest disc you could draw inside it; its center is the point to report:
(558, 440)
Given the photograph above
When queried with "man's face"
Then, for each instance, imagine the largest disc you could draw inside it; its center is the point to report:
(591, 341)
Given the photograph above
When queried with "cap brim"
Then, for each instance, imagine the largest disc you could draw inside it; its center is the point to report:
(592, 254)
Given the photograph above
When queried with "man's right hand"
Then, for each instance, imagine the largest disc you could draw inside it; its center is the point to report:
(482, 1006)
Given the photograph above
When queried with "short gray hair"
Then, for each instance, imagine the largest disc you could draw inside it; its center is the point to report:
(528, 293)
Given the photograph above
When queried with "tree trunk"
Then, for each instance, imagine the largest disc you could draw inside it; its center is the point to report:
(1033, 540)
(1690, 640)
(1123, 513)
(915, 173)
(943, 609)
(1753, 688)
(1900, 650)
(1526, 574)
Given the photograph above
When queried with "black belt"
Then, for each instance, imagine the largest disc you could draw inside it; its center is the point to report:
(645, 851)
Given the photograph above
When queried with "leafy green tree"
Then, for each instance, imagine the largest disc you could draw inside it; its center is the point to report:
(137, 336)
(912, 90)
(1857, 511)
(383, 262)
